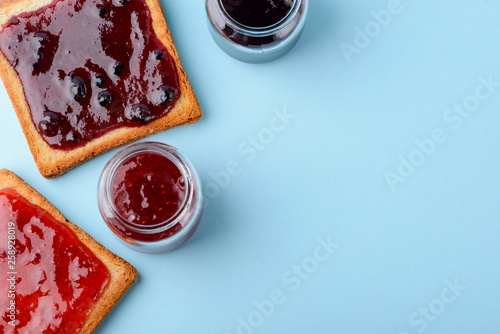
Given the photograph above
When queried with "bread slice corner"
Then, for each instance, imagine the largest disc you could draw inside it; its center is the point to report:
(122, 274)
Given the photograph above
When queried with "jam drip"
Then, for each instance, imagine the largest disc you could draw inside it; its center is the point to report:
(90, 66)
(58, 279)
(257, 13)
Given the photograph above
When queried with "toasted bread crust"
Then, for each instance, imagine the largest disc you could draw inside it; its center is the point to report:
(53, 162)
(123, 275)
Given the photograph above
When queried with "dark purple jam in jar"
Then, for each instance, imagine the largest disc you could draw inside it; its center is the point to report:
(257, 13)
(256, 31)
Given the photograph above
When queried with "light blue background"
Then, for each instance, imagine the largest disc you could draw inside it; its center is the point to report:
(323, 176)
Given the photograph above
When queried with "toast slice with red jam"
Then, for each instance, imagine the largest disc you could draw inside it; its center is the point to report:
(55, 278)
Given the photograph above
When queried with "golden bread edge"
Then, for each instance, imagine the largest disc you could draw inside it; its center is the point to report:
(123, 274)
(52, 162)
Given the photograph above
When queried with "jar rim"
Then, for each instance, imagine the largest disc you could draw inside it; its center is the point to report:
(169, 152)
(259, 31)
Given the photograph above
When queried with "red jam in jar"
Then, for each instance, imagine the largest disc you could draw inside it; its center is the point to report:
(53, 278)
(148, 189)
(89, 67)
(150, 197)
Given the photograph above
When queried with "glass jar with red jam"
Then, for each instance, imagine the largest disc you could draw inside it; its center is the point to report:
(150, 197)
(256, 31)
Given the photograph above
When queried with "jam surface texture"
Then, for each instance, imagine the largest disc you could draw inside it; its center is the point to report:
(257, 13)
(90, 66)
(148, 189)
(58, 280)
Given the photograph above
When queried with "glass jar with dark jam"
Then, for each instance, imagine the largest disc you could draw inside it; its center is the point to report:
(256, 31)
(150, 197)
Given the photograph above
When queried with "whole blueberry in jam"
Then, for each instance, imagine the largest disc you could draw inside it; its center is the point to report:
(158, 55)
(99, 80)
(139, 113)
(49, 126)
(43, 48)
(104, 99)
(118, 68)
(166, 95)
(78, 89)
